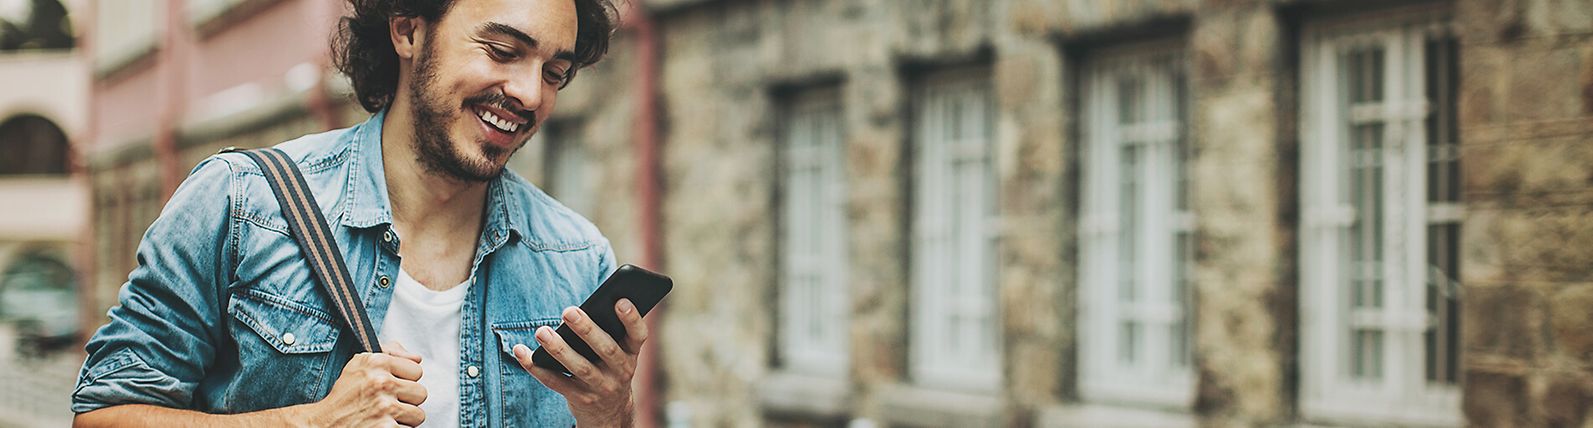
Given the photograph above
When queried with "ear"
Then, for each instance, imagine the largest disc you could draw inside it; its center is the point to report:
(404, 30)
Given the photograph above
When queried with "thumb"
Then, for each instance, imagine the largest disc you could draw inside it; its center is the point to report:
(396, 349)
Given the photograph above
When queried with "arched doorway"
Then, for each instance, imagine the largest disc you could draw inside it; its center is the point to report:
(32, 145)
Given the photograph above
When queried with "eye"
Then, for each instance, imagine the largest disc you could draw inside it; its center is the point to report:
(500, 54)
(555, 75)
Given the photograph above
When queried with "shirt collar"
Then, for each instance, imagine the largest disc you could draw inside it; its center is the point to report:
(366, 193)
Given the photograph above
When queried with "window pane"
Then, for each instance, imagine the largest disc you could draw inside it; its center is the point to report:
(1442, 339)
(1139, 246)
(1367, 351)
(1363, 71)
(955, 333)
(1128, 237)
(568, 166)
(813, 313)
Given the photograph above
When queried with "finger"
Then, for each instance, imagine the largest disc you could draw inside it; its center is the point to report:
(578, 366)
(409, 415)
(552, 379)
(410, 392)
(404, 369)
(595, 337)
(396, 349)
(635, 329)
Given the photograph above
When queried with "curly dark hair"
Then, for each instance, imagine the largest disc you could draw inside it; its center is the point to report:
(362, 50)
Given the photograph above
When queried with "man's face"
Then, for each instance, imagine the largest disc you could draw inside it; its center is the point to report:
(485, 77)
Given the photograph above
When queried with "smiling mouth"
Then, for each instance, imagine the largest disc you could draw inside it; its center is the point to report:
(505, 125)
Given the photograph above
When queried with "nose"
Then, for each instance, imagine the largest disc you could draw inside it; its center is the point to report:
(527, 92)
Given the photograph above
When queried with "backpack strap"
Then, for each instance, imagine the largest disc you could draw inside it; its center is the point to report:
(308, 227)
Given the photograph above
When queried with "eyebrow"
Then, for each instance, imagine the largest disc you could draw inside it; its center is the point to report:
(499, 28)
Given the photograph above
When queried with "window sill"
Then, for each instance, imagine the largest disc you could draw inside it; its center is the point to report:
(806, 397)
(1097, 415)
(919, 406)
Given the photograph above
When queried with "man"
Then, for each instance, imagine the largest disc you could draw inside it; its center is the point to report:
(460, 264)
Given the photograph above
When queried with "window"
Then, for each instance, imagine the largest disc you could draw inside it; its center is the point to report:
(1381, 226)
(813, 299)
(125, 31)
(567, 167)
(1137, 231)
(955, 332)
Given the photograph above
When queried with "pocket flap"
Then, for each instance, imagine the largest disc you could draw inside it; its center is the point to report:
(520, 332)
(290, 327)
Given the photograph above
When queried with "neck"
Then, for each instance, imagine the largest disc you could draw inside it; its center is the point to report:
(424, 201)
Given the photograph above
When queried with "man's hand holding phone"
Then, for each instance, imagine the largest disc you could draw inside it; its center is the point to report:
(599, 392)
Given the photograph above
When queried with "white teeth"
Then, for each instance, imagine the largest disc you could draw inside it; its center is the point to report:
(501, 123)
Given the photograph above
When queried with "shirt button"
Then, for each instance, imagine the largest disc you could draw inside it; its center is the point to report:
(383, 281)
(387, 237)
(472, 371)
(288, 339)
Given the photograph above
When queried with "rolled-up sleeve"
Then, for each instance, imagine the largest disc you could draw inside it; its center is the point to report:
(161, 337)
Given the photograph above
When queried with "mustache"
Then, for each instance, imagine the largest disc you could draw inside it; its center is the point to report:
(501, 101)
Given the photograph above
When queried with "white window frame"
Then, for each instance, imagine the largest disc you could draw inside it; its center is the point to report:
(1133, 317)
(567, 167)
(1399, 393)
(955, 340)
(813, 316)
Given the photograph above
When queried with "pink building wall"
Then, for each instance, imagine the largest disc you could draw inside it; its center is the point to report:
(246, 59)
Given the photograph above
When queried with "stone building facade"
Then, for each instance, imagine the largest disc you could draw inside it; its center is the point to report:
(913, 213)
(1498, 321)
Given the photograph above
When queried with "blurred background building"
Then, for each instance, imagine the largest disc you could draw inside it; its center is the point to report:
(961, 212)
(42, 106)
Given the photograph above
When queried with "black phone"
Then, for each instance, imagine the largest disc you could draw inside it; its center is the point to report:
(643, 287)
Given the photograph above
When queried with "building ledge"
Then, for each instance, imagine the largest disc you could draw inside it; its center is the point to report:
(56, 208)
(806, 397)
(1100, 415)
(919, 406)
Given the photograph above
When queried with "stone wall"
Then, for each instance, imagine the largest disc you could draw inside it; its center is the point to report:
(1527, 92)
(1526, 115)
(1243, 154)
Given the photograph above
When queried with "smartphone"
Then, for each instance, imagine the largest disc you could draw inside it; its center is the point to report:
(643, 287)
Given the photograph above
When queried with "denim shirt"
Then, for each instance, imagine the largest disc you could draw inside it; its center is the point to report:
(222, 314)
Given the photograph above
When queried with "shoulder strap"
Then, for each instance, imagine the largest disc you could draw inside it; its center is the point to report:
(310, 230)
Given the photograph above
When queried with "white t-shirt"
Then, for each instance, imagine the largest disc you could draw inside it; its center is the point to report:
(426, 322)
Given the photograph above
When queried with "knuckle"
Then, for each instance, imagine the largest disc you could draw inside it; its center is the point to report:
(585, 371)
(386, 385)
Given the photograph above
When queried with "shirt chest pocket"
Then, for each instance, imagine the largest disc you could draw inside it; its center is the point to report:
(547, 408)
(285, 351)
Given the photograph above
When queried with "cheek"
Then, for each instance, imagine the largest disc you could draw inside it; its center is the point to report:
(550, 97)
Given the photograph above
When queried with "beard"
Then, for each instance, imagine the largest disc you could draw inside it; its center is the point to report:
(435, 150)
